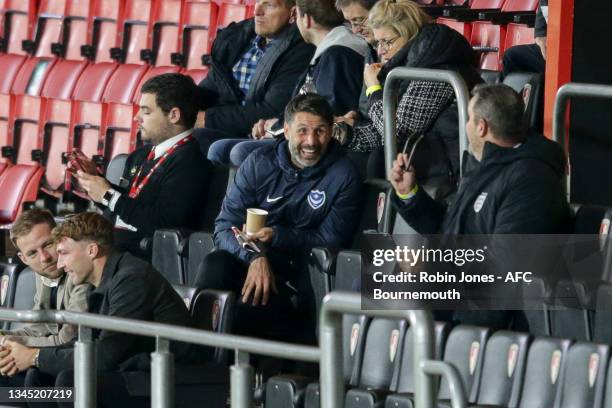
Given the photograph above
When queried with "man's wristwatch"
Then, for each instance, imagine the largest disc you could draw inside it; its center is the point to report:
(107, 197)
(35, 359)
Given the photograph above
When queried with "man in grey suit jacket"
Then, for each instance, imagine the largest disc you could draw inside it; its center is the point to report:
(31, 235)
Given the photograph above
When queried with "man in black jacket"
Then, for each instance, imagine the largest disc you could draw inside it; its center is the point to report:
(530, 57)
(164, 183)
(511, 182)
(255, 65)
(124, 286)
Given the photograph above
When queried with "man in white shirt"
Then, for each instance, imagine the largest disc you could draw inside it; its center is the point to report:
(164, 183)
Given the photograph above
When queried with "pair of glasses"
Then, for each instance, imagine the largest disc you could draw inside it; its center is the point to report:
(386, 44)
(358, 23)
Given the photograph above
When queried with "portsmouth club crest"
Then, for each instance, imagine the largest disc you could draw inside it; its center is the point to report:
(316, 199)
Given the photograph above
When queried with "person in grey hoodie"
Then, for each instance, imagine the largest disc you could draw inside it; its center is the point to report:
(335, 72)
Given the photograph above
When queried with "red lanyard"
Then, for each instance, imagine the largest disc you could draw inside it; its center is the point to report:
(136, 186)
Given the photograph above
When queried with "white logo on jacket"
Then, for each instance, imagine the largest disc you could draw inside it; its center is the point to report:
(480, 202)
(316, 199)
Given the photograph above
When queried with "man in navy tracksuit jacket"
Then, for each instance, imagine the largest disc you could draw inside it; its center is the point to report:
(312, 194)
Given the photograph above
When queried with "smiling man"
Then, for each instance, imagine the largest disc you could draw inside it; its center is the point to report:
(165, 182)
(312, 195)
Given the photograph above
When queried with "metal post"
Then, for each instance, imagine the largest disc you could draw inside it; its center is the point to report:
(563, 95)
(85, 370)
(390, 94)
(162, 375)
(330, 368)
(241, 381)
(421, 323)
(457, 393)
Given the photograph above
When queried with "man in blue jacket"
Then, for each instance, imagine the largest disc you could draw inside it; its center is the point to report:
(312, 194)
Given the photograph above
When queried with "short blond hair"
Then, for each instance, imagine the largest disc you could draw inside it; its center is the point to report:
(405, 17)
(87, 226)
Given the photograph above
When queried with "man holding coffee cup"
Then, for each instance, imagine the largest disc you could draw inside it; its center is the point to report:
(309, 194)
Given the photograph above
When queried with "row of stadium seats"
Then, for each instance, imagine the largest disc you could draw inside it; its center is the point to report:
(502, 369)
(157, 32)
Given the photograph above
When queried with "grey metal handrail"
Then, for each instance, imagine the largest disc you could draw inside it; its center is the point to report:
(330, 338)
(329, 354)
(390, 94)
(563, 95)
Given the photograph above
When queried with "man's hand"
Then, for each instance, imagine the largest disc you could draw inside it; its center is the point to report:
(403, 180)
(265, 235)
(19, 358)
(258, 282)
(349, 118)
(541, 42)
(200, 120)
(95, 186)
(87, 165)
(261, 127)
(370, 74)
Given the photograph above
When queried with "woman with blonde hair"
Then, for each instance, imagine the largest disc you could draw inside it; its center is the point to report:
(407, 37)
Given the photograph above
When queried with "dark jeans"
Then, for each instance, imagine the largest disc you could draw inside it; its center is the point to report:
(523, 58)
(206, 137)
(289, 315)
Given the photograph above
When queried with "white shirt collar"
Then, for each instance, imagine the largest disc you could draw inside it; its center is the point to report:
(163, 147)
(51, 282)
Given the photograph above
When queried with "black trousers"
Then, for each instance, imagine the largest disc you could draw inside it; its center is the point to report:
(111, 388)
(289, 315)
(523, 58)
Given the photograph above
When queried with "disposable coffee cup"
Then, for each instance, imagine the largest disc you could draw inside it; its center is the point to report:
(255, 220)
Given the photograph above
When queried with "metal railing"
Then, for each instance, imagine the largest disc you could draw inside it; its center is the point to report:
(390, 94)
(329, 355)
(564, 94)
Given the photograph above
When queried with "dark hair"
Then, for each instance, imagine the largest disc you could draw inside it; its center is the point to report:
(366, 4)
(87, 226)
(310, 103)
(323, 12)
(503, 109)
(27, 220)
(175, 91)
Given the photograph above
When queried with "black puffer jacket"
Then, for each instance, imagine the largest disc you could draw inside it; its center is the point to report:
(424, 107)
(510, 191)
(270, 89)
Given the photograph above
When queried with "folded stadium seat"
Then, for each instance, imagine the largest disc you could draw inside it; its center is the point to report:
(475, 7)
(134, 29)
(490, 76)
(29, 81)
(114, 170)
(84, 113)
(214, 310)
(187, 293)
(606, 246)
(199, 245)
(103, 32)
(19, 185)
(379, 368)
(48, 28)
(9, 272)
(9, 66)
(166, 257)
(503, 369)
(531, 87)
(536, 298)
(47, 137)
(75, 27)
(544, 373)
(462, 27)
(25, 288)
(488, 39)
(230, 12)
(520, 11)
(571, 314)
(285, 391)
(198, 29)
(18, 19)
(435, 8)
(607, 403)
(602, 329)
(404, 388)
(164, 28)
(584, 375)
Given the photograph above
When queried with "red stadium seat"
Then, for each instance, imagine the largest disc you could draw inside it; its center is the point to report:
(76, 27)
(197, 74)
(198, 27)
(164, 32)
(463, 27)
(23, 104)
(230, 12)
(48, 28)
(10, 65)
(18, 19)
(488, 39)
(18, 184)
(518, 34)
(103, 33)
(134, 31)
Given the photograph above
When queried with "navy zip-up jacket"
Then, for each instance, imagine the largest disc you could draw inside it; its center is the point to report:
(316, 206)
